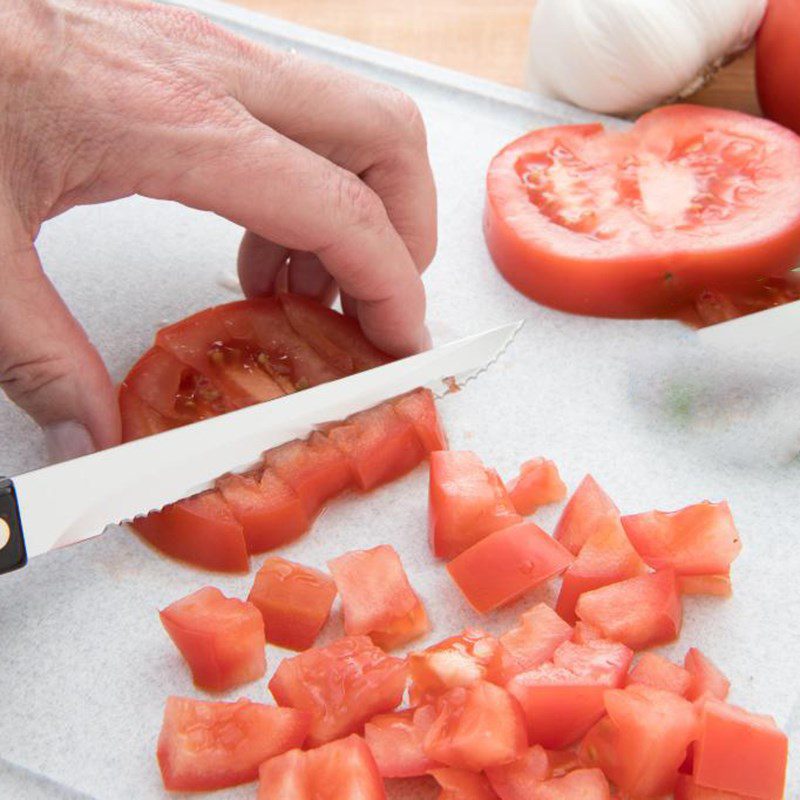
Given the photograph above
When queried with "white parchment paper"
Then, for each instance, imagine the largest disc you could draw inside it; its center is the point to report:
(659, 420)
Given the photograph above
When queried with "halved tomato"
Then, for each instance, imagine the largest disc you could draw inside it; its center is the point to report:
(294, 600)
(221, 638)
(660, 673)
(582, 784)
(517, 780)
(343, 685)
(534, 640)
(537, 484)
(460, 784)
(637, 223)
(205, 746)
(707, 679)
(396, 745)
(588, 510)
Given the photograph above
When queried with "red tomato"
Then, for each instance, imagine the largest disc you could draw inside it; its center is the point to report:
(712, 307)
(466, 502)
(404, 629)
(562, 699)
(535, 639)
(563, 762)
(200, 530)
(642, 743)
(460, 784)
(606, 557)
(639, 612)
(583, 633)
(221, 638)
(582, 784)
(396, 745)
(205, 746)
(637, 223)
(419, 408)
(537, 484)
(458, 736)
(706, 678)
(778, 62)
(344, 768)
(461, 660)
(714, 585)
(343, 685)
(139, 419)
(294, 600)
(687, 789)
(517, 780)
(697, 540)
(740, 752)
(269, 511)
(588, 509)
(375, 593)
(659, 673)
(506, 564)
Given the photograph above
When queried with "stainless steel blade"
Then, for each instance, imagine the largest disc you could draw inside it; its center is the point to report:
(76, 500)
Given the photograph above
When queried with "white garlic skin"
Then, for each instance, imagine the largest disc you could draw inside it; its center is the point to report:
(625, 56)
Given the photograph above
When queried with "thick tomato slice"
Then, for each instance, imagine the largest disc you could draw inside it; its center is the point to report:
(221, 638)
(138, 418)
(375, 593)
(639, 612)
(419, 408)
(200, 530)
(660, 673)
(343, 685)
(344, 768)
(707, 679)
(637, 223)
(461, 784)
(458, 736)
(537, 484)
(294, 600)
(562, 699)
(534, 640)
(740, 752)
(506, 564)
(582, 784)
(466, 502)
(588, 509)
(517, 780)
(205, 746)
(396, 745)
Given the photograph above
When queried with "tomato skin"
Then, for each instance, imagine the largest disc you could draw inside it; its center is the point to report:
(204, 746)
(518, 780)
(706, 677)
(538, 484)
(396, 745)
(506, 564)
(343, 685)
(582, 784)
(221, 638)
(294, 600)
(536, 638)
(659, 673)
(588, 509)
(461, 784)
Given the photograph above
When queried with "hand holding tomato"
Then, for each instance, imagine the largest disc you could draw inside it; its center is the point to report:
(102, 99)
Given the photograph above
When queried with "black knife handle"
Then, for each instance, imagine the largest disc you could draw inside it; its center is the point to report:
(12, 544)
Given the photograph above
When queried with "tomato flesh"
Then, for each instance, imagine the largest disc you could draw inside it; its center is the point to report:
(659, 673)
(396, 745)
(518, 780)
(418, 408)
(138, 418)
(588, 509)
(538, 484)
(687, 789)
(460, 784)
(534, 640)
(713, 585)
(582, 784)
(707, 679)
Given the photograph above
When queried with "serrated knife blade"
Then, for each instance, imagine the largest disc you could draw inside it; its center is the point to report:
(76, 500)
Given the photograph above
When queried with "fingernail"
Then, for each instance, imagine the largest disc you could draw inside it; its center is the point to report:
(427, 341)
(66, 440)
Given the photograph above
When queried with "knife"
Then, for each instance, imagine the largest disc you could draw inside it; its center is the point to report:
(66, 503)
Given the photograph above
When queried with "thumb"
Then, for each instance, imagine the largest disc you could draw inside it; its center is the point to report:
(47, 365)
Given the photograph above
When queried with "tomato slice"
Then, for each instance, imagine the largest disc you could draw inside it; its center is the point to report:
(458, 736)
(639, 612)
(535, 639)
(588, 509)
(637, 223)
(740, 752)
(343, 685)
(582, 784)
(344, 768)
(562, 699)
(221, 638)
(294, 600)
(200, 530)
(506, 564)
(687, 789)
(375, 593)
(697, 540)
(205, 746)
(419, 408)
(466, 502)
(707, 679)
(138, 418)
(713, 585)
(460, 784)
(661, 673)
(519, 779)
(538, 484)
(396, 745)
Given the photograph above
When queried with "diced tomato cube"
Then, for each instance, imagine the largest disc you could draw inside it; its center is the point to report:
(583, 633)
(205, 746)
(517, 780)
(396, 745)
(343, 685)
(506, 564)
(294, 600)
(342, 769)
(697, 540)
(687, 789)
(740, 752)
(639, 612)
(466, 502)
(200, 530)
(588, 508)
(534, 640)
(221, 638)
(461, 784)
(714, 585)
(377, 598)
(582, 784)
(419, 408)
(707, 679)
(563, 761)
(660, 673)
(537, 484)
(458, 737)
(562, 699)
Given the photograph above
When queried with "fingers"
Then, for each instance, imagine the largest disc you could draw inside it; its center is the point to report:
(308, 276)
(258, 264)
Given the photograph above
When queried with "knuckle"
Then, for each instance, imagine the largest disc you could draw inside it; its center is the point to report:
(24, 379)
(359, 203)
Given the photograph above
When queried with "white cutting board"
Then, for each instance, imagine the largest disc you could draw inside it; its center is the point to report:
(657, 419)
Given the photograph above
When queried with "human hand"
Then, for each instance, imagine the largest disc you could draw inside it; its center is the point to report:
(102, 99)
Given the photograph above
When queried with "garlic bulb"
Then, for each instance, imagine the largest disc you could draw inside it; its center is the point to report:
(625, 56)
